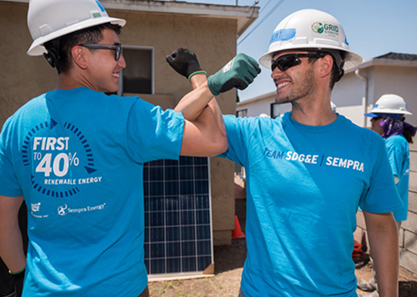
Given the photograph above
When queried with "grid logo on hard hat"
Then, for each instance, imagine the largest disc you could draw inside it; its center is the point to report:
(321, 28)
(317, 27)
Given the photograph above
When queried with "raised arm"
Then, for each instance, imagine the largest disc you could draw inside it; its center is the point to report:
(204, 131)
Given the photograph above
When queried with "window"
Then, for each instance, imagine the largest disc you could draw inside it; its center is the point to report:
(242, 113)
(138, 76)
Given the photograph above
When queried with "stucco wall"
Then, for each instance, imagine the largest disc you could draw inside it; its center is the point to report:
(22, 77)
(213, 40)
(408, 232)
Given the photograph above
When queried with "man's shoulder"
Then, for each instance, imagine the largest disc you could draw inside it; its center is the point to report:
(358, 129)
(30, 106)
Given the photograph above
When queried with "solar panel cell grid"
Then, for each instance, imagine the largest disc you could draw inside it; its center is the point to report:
(177, 216)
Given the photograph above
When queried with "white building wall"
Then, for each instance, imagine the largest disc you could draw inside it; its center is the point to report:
(255, 108)
(401, 81)
(349, 93)
(262, 104)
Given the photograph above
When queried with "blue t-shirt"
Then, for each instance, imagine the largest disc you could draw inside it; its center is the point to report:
(77, 158)
(399, 158)
(304, 185)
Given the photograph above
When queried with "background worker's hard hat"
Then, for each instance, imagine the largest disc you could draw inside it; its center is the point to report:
(50, 19)
(389, 104)
(310, 29)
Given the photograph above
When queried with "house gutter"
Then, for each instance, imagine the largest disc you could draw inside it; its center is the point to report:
(364, 98)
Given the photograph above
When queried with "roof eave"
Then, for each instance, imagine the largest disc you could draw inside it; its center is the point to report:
(384, 62)
(244, 15)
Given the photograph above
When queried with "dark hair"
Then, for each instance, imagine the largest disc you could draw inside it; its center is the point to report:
(338, 63)
(408, 134)
(59, 49)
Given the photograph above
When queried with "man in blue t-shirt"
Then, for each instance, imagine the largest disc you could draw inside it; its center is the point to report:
(308, 171)
(75, 156)
(388, 120)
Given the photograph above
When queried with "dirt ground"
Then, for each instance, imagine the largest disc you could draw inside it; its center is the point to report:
(229, 261)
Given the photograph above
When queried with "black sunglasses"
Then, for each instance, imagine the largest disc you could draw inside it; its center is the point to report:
(118, 49)
(287, 61)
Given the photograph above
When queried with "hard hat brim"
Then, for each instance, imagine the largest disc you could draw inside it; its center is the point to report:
(372, 115)
(37, 48)
(376, 113)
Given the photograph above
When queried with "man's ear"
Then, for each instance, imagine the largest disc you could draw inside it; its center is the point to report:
(326, 65)
(79, 55)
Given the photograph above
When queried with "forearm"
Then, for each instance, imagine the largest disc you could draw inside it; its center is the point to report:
(204, 129)
(209, 122)
(11, 249)
(383, 239)
(212, 111)
(194, 103)
(11, 243)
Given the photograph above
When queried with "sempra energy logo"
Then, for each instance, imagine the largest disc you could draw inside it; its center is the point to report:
(64, 210)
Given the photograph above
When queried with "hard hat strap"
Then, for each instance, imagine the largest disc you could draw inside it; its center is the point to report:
(52, 56)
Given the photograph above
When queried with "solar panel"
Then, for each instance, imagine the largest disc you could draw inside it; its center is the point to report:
(178, 236)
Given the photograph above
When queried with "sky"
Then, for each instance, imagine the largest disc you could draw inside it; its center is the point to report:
(372, 27)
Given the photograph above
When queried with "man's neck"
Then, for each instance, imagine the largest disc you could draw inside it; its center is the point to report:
(314, 111)
(313, 117)
(67, 82)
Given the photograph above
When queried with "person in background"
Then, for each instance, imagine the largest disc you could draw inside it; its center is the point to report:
(388, 120)
(309, 170)
(75, 155)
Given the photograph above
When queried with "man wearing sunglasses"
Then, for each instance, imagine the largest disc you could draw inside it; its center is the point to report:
(75, 155)
(308, 171)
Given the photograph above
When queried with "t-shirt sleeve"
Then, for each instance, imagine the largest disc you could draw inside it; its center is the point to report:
(153, 133)
(395, 157)
(9, 185)
(382, 195)
(236, 136)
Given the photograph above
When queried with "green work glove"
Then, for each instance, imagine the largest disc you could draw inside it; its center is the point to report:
(238, 73)
(184, 62)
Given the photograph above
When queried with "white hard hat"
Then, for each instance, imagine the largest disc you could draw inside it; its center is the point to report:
(49, 19)
(389, 104)
(310, 29)
(264, 115)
